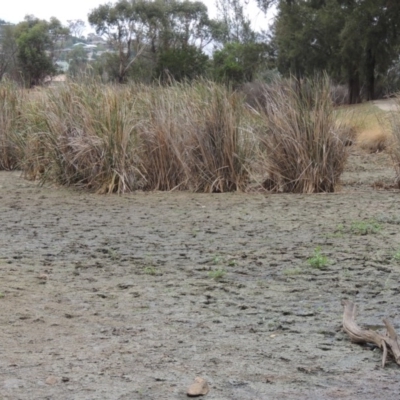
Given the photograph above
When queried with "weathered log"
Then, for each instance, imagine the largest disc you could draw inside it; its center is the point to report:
(388, 342)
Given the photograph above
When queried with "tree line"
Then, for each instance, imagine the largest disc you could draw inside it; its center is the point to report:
(357, 42)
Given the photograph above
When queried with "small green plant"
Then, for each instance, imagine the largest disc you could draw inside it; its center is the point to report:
(2, 295)
(218, 259)
(232, 263)
(396, 255)
(318, 260)
(217, 274)
(362, 228)
(150, 271)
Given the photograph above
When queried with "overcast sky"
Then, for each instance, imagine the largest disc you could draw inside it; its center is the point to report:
(16, 10)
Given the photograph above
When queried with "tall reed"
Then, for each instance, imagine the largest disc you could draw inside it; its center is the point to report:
(220, 147)
(84, 135)
(301, 138)
(11, 135)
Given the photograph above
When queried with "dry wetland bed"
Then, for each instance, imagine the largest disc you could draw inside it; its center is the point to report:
(134, 296)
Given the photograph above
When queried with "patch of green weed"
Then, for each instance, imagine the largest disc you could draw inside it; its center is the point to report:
(365, 227)
(318, 260)
(396, 256)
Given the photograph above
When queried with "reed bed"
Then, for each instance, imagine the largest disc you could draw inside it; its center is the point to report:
(197, 136)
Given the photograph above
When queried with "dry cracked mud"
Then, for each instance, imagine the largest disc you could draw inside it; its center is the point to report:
(132, 297)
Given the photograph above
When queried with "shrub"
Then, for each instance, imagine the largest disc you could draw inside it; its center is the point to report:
(301, 138)
(363, 228)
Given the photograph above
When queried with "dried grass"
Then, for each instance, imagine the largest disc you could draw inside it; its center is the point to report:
(367, 126)
(301, 137)
(394, 150)
(374, 140)
(83, 136)
(11, 136)
(122, 138)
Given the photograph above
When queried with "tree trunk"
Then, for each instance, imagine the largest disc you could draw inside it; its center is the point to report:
(354, 86)
(370, 70)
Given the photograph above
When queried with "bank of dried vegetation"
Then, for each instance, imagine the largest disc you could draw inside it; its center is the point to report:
(197, 136)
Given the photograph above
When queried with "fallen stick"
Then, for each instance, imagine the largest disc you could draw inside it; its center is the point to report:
(357, 335)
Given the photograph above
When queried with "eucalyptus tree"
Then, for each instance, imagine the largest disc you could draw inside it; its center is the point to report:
(124, 25)
(38, 42)
(153, 31)
(354, 40)
(8, 50)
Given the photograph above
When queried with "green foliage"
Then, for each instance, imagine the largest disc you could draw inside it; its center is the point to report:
(78, 61)
(238, 62)
(233, 25)
(170, 34)
(123, 24)
(8, 52)
(318, 260)
(76, 27)
(182, 63)
(365, 227)
(396, 256)
(37, 40)
(354, 41)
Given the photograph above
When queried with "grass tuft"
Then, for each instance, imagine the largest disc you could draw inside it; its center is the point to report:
(301, 137)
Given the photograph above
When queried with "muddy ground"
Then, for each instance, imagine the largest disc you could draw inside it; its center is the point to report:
(107, 297)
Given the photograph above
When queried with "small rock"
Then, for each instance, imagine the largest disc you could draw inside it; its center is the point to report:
(43, 277)
(51, 380)
(198, 388)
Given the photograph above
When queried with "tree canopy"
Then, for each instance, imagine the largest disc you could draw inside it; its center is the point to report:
(353, 40)
(37, 44)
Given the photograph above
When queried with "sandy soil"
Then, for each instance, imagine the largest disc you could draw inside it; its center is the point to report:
(107, 297)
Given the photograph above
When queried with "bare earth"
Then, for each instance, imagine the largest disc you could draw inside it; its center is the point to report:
(107, 297)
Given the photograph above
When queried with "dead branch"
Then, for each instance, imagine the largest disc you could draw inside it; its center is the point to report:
(358, 335)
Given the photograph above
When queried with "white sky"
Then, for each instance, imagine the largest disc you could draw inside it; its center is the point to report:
(16, 10)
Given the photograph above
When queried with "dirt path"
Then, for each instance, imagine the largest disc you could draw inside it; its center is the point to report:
(127, 306)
